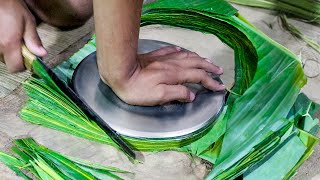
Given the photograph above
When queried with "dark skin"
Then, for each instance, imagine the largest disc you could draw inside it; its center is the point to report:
(150, 79)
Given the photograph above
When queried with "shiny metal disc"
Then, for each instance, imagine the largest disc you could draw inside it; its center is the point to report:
(175, 120)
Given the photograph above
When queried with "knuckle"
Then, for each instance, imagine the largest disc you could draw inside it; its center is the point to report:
(183, 54)
(198, 62)
(204, 77)
(203, 74)
(188, 54)
(192, 54)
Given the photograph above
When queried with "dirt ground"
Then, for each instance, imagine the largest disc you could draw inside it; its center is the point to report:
(163, 165)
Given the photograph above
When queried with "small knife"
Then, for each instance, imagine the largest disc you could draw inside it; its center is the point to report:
(28, 60)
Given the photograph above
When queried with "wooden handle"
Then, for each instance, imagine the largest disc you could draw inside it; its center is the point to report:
(28, 57)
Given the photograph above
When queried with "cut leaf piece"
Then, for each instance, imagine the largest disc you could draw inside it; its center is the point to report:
(279, 164)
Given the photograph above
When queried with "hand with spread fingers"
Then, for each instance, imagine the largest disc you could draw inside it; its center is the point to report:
(17, 26)
(160, 75)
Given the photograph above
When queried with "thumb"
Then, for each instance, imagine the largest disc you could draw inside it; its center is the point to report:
(32, 39)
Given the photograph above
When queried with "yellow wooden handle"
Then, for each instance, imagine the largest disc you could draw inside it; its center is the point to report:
(28, 57)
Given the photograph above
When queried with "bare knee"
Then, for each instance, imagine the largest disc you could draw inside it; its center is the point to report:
(62, 13)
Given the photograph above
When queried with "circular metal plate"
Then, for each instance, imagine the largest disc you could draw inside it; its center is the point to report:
(169, 121)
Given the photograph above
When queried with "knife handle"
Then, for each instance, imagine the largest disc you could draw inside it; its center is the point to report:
(28, 57)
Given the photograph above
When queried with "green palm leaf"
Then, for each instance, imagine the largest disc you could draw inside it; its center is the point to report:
(46, 164)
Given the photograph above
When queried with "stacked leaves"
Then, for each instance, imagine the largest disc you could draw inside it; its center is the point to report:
(46, 164)
(265, 120)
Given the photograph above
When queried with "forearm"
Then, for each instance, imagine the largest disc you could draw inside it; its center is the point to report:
(117, 25)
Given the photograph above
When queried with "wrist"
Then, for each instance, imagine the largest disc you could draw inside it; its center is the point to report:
(118, 78)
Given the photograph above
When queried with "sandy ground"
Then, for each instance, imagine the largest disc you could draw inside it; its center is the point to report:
(164, 165)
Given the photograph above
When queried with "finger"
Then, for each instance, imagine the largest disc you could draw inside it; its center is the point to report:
(32, 39)
(198, 76)
(179, 55)
(199, 63)
(13, 56)
(165, 66)
(165, 51)
(175, 93)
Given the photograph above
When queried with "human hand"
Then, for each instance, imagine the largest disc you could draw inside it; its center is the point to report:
(160, 75)
(17, 26)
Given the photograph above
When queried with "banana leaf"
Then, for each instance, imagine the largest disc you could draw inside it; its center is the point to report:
(255, 124)
(285, 159)
(304, 112)
(310, 142)
(66, 69)
(201, 145)
(44, 163)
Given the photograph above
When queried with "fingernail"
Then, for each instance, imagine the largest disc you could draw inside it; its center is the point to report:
(178, 48)
(192, 97)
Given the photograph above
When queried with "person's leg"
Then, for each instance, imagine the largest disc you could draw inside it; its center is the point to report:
(62, 13)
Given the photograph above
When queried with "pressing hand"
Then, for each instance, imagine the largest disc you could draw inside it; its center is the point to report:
(159, 77)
